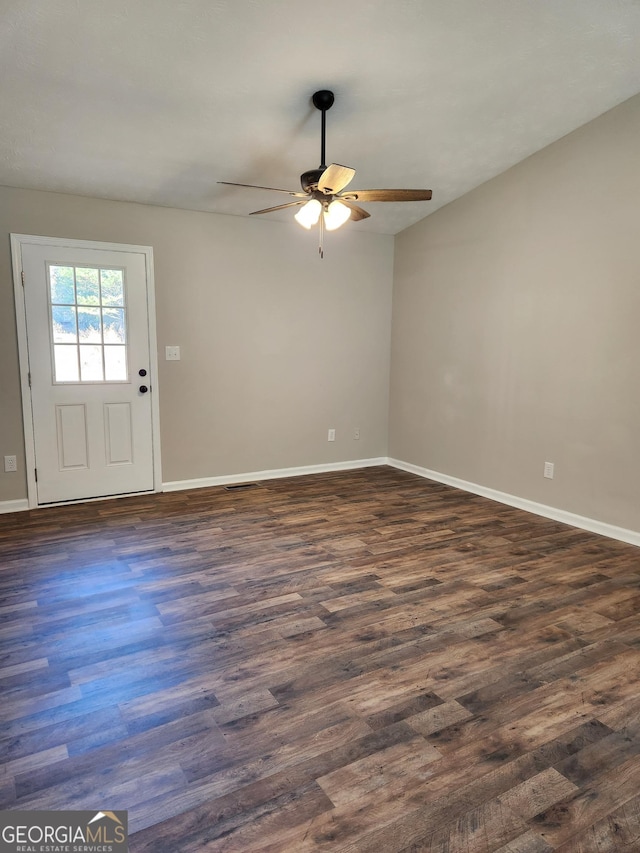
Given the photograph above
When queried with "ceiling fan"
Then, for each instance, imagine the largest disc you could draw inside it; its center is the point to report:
(324, 198)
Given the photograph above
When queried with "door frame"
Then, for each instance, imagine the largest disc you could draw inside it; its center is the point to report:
(17, 243)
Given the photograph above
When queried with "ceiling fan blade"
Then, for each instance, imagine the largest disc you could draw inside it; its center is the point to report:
(387, 195)
(335, 178)
(278, 207)
(357, 213)
(271, 189)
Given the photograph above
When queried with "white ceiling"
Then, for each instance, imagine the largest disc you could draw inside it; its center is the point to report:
(157, 100)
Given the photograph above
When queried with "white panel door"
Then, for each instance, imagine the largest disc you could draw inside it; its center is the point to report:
(87, 334)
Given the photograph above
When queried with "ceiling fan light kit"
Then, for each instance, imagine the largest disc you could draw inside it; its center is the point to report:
(325, 200)
(336, 215)
(309, 213)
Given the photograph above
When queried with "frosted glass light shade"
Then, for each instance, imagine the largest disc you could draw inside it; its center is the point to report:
(336, 215)
(309, 213)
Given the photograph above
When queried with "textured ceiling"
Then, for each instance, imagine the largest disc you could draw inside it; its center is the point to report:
(157, 100)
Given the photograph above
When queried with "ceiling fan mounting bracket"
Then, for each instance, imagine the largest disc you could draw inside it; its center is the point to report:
(323, 100)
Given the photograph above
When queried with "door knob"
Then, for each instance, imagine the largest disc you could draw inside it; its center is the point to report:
(143, 389)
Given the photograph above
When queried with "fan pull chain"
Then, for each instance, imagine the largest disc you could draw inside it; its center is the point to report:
(321, 247)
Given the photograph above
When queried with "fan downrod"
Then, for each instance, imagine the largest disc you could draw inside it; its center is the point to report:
(323, 101)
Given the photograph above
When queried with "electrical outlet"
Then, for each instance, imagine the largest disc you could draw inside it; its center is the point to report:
(172, 353)
(331, 435)
(10, 463)
(548, 470)
(356, 434)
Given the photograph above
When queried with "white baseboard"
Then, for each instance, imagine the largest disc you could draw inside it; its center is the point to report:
(275, 474)
(14, 506)
(631, 537)
(622, 534)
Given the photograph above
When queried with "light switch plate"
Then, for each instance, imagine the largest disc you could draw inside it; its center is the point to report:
(172, 353)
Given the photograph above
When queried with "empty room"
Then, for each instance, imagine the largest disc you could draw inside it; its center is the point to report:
(319, 419)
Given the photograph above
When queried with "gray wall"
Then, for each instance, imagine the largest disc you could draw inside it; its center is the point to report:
(277, 345)
(516, 328)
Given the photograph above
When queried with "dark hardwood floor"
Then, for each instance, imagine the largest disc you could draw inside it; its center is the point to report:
(362, 661)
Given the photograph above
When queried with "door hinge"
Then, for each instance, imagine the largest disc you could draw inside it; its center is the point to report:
(22, 276)
(36, 473)
(29, 378)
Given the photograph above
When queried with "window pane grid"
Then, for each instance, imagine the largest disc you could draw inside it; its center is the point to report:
(88, 324)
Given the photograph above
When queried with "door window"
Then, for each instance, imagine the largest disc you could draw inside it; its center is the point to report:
(88, 323)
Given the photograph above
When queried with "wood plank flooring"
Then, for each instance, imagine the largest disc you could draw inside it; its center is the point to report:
(362, 661)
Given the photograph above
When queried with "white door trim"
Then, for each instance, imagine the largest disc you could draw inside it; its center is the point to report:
(17, 242)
